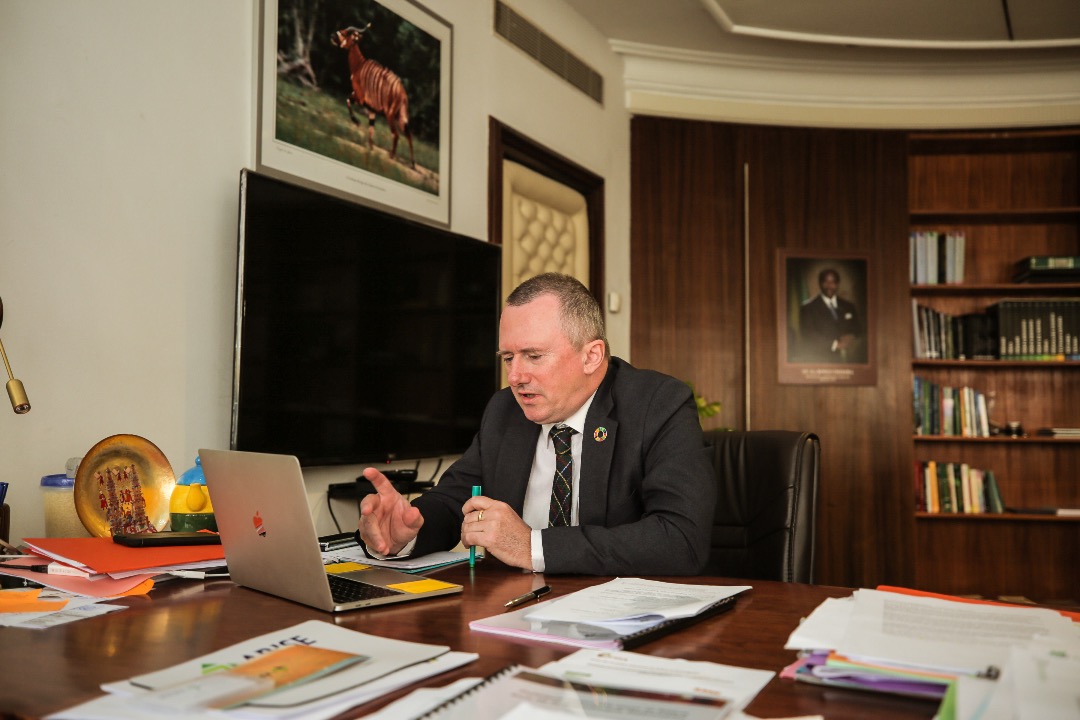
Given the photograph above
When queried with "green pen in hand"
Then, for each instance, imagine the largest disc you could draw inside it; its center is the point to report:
(472, 548)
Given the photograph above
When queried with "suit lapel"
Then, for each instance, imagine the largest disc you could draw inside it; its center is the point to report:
(515, 459)
(597, 451)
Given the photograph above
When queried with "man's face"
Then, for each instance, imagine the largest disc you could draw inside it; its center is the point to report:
(547, 375)
(829, 285)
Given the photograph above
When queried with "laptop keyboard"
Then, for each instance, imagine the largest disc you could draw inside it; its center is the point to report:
(347, 590)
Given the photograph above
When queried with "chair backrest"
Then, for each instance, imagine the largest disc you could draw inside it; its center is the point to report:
(765, 504)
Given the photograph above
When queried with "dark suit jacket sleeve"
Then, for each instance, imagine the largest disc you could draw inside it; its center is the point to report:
(647, 492)
(499, 460)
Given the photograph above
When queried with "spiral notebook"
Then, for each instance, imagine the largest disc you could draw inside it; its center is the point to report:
(517, 624)
(520, 692)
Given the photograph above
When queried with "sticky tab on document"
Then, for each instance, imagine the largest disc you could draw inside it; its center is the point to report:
(344, 567)
(419, 586)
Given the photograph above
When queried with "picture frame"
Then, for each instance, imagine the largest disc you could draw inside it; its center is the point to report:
(818, 345)
(316, 96)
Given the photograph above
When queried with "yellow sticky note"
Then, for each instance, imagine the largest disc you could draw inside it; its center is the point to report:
(345, 567)
(419, 586)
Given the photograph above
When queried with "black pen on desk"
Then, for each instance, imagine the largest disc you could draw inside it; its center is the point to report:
(531, 595)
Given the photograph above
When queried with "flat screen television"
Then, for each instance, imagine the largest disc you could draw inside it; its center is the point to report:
(360, 336)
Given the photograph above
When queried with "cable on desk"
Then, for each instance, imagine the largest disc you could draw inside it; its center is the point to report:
(330, 507)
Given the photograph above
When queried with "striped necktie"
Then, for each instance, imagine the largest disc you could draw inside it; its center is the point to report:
(562, 488)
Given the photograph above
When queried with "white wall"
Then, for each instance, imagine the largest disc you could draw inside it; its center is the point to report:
(123, 127)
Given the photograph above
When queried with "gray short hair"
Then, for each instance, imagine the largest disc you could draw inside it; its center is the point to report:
(581, 316)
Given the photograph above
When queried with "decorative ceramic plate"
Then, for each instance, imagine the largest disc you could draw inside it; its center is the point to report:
(123, 484)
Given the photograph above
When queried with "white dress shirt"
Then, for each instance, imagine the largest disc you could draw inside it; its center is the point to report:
(538, 495)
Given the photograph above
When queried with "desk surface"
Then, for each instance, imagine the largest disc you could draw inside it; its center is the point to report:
(47, 670)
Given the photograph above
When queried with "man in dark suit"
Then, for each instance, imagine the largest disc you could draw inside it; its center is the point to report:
(829, 325)
(643, 490)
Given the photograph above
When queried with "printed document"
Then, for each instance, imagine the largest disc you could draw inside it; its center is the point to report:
(935, 634)
(634, 601)
(632, 670)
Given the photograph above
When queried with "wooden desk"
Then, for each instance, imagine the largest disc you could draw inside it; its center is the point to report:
(47, 670)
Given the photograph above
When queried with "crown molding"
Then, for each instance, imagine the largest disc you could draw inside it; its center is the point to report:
(947, 90)
(757, 31)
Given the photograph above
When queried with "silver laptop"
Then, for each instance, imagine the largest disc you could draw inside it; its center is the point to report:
(270, 543)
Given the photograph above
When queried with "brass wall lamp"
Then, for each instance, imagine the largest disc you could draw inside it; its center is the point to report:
(15, 390)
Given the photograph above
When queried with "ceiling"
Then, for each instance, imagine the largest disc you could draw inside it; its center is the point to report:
(714, 25)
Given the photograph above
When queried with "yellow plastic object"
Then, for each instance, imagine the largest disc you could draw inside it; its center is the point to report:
(190, 509)
(190, 499)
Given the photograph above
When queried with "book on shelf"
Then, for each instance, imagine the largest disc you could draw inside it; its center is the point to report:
(1044, 329)
(949, 411)
(1047, 268)
(936, 257)
(1037, 329)
(955, 488)
(1062, 432)
(942, 336)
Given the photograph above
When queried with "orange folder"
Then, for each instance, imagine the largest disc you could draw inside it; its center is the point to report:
(104, 556)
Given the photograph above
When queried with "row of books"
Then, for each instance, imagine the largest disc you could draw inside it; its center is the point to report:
(950, 487)
(950, 411)
(1010, 329)
(936, 257)
(942, 336)
(1045, 329)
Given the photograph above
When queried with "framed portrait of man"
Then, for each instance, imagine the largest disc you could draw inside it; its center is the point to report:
(824, 319)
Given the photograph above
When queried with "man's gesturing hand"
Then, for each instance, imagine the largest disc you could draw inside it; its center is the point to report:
(387, 521)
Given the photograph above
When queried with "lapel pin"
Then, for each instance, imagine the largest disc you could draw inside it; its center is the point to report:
(600, 434)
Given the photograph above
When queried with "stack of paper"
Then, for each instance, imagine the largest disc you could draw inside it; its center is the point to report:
(921, 646)
(362, 668)
(103, 556)
(619, 614)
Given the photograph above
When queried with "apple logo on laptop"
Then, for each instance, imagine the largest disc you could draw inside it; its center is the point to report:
(259, 524)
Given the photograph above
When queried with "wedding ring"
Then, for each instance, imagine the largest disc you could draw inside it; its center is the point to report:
(480, 516)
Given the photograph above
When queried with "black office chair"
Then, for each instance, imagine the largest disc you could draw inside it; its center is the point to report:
(765, 504)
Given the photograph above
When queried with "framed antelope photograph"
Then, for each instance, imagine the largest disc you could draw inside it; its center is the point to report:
(354, 99)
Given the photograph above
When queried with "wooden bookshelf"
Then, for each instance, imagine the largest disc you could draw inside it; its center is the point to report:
(995, 517)
(1012, 194)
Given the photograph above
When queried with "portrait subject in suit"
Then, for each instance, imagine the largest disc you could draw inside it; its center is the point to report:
(830, 326)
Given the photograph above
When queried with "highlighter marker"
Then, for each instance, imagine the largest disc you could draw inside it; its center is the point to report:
(472, 548)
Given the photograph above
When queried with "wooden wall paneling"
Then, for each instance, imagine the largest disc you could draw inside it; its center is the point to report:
(1001, 557)
(819, 189)
(839, 191)
(686, 265)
